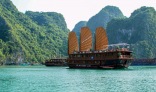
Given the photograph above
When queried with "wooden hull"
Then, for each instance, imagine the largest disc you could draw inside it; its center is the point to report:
(109, 64)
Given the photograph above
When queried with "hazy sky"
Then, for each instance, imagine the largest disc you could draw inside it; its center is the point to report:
(77, 10)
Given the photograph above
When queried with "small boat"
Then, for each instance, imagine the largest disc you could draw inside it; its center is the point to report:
(56, 62)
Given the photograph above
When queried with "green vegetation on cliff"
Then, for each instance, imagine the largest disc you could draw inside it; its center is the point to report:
(31, 37)
(139, 30)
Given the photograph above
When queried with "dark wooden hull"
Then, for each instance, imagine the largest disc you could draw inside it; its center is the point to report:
(109, 64)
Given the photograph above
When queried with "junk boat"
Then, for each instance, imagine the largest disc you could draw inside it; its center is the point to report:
(103, 55)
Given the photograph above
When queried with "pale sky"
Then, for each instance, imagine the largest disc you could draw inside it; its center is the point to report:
(80, 10)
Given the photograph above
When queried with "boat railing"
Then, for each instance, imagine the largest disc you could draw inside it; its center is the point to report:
(91, 58)
(102, 51)
(111, 48)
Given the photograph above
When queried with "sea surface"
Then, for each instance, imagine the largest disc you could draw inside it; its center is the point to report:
(63, 79)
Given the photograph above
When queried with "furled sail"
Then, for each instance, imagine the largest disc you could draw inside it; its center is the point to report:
(72, 43)
(85, 39)
(101, 40)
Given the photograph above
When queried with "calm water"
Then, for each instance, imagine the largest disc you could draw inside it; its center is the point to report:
(62, 79)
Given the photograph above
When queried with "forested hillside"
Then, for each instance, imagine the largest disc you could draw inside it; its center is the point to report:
(139, 30)
(104, 16)
(31, 37)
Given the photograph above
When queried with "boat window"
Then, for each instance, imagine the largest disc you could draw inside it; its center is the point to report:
(78, 55)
